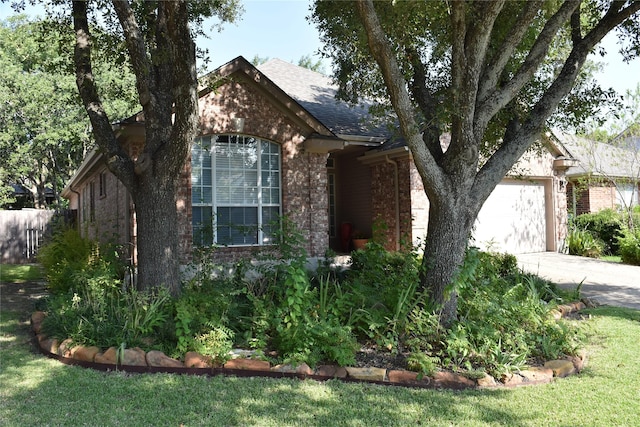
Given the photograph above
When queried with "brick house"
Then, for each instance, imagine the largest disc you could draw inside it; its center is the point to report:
(275, 141)
(606, 176)
(526, 212)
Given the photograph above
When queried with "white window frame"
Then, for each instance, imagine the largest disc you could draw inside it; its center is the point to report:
(203, 185)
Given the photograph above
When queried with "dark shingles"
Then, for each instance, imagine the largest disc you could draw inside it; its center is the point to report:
(317, 94)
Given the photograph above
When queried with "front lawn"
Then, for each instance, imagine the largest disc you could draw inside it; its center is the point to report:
(20, 273)
(39, 391)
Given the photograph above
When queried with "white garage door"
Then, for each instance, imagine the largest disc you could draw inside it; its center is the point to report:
(513, 219)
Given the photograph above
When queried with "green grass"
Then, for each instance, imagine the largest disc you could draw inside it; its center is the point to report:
(20, 273)
(612, 258)
(39, 391)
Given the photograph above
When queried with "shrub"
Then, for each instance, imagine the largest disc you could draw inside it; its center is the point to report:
(630, 246)
(581, 242)
(277, 305)
(62, 257)
(69, 260)
(217, 343)
(503, 320)
(605, 225)
(383, 284)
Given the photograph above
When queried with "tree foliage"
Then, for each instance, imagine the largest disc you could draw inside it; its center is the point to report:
(492, 74)
(44, 132)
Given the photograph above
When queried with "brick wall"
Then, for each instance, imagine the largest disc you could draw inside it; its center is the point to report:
(109, 220)
(602, 196)
(394, 215)
(304, 175)
(590, 197)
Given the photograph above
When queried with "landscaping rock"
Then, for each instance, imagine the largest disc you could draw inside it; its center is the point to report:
(49, 345)
(109, 357)
(197, 360)
(579, 360)
(406, 377)
(450, 380)
(66, 348)
(537, 374)
(561, 368)
(331, 371)
(577, 306)
(301, 369)
(487, 381)
(367, 374)
(134, 357)
(86, 354)
(249, 364)
(512, 380)
(36, 321)
(161, 360)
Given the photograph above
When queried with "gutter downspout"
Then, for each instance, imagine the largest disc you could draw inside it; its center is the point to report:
(397, 200)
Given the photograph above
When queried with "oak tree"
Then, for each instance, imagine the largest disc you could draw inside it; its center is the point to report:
(158, 43)
(491, 73)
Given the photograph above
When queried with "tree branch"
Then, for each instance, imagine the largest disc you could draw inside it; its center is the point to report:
(521, 139)
(381, 50)
(427, 104)
(185, 94)
(470, 42)
(137, 50)
(501, 96)
(495, 67)
(117, 159)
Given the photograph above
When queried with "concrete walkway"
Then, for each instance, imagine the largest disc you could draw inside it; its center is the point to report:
(605, 282)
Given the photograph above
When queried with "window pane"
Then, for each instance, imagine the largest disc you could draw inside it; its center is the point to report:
(237, 226)
(247, 180)
(202, 226)
(271, 223)
(196, 195)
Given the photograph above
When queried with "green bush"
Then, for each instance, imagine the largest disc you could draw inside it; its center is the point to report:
(630, 246)
(69, 260)
(605, 225)
(62, 257)
(383, 285)
(276, 306)
(581, 242)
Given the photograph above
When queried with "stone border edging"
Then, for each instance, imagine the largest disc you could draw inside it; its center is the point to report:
(138, 361)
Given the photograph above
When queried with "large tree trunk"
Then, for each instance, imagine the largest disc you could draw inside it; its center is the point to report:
(157, 234)
(167, 89)
(448, 235)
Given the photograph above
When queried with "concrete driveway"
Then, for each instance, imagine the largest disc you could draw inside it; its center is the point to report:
(605, 282)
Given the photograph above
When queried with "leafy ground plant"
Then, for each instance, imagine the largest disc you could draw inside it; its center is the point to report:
(278, 308)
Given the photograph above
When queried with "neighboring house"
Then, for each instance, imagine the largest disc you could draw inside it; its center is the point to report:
(275, 141)
(606, 177)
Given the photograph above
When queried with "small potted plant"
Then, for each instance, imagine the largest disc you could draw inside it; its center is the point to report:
(359, 240)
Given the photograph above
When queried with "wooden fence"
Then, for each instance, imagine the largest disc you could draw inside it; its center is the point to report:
(22, 232)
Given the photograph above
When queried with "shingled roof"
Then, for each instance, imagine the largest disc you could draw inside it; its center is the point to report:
(600, 159)
(317, 94)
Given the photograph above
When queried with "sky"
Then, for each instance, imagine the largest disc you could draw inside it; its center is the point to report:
(279, 29)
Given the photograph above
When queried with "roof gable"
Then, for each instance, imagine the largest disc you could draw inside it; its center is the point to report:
(317, 94)
(598, 158)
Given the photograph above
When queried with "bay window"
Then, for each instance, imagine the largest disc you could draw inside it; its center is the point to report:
(235, 190)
